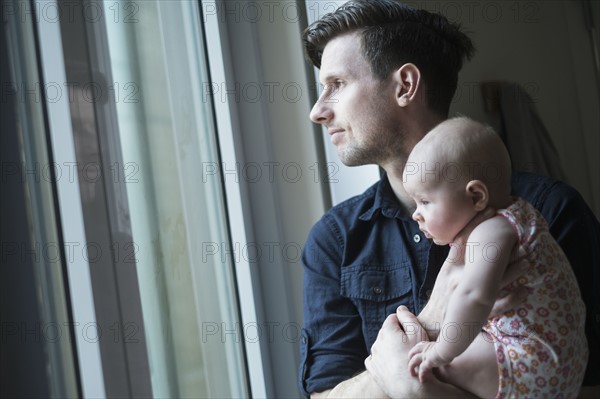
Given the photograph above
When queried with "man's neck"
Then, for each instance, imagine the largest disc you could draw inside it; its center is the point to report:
(394, 174)
(412, 133)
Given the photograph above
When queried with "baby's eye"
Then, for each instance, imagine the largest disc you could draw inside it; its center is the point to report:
(424, 202)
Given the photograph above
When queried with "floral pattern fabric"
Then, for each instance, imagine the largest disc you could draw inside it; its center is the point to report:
(540, 345)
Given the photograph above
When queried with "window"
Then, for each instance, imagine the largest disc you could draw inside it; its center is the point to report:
(178, 221)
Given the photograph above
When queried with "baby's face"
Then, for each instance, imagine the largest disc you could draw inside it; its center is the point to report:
(443, 208)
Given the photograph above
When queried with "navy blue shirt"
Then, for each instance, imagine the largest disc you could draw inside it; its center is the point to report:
(366, 256)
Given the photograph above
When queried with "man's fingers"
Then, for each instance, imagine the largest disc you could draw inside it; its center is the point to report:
(412, 328)
(391, 323)
(390, 327)
(515, 269)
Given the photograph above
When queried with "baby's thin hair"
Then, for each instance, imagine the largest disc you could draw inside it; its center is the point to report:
(473, 148)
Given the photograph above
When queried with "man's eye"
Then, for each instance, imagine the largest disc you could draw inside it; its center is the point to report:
(333, 86)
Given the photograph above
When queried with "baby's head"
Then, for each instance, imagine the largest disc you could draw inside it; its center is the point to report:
(457, 170)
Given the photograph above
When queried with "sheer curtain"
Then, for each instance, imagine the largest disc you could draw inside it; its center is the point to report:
(180, 238)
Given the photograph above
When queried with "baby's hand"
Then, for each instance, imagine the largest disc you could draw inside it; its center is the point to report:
(422, 358)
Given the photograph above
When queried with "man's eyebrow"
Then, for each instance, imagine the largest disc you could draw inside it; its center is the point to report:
(333, 75)
(328, 77)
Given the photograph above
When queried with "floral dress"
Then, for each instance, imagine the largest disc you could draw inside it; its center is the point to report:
(540, 345)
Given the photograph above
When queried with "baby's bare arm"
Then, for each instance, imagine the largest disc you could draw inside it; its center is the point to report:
(486, 258)
(432, 316)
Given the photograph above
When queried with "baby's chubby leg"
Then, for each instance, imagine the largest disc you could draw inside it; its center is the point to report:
(475, 370)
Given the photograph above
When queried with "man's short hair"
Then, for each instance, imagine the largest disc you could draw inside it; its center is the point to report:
(394, 34)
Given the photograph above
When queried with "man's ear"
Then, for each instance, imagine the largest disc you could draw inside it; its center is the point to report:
(408, 82)
(479, 194)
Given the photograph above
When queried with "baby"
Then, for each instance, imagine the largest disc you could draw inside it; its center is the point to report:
(459, 177)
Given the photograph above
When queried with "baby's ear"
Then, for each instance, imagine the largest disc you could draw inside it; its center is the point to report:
(478, 192)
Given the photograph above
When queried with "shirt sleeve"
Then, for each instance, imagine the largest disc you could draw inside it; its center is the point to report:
(332, 343)
(576, 229)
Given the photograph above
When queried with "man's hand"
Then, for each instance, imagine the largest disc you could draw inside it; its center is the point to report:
(515, 269)
(360, 386)
(388, 363)
(389, 354)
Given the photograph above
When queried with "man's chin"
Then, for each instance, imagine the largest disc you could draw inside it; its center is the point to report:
(355, 163)
(349, 160)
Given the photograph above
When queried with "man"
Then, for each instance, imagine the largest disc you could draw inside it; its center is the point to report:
(389, 74)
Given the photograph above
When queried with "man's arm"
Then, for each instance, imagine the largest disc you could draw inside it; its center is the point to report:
(361, 386)
(332, 346)
(387, 373)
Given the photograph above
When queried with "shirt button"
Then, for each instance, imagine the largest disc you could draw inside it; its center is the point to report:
(417, 238)
(377, 290)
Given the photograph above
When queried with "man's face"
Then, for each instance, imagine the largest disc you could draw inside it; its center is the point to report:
(359, 111)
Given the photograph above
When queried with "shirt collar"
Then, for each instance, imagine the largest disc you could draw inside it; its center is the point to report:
(385, 203)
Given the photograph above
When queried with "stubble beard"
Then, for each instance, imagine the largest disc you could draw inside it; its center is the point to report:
(382, 147)
(355, 156)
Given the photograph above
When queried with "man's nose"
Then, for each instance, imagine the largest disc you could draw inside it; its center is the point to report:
(321, 112)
